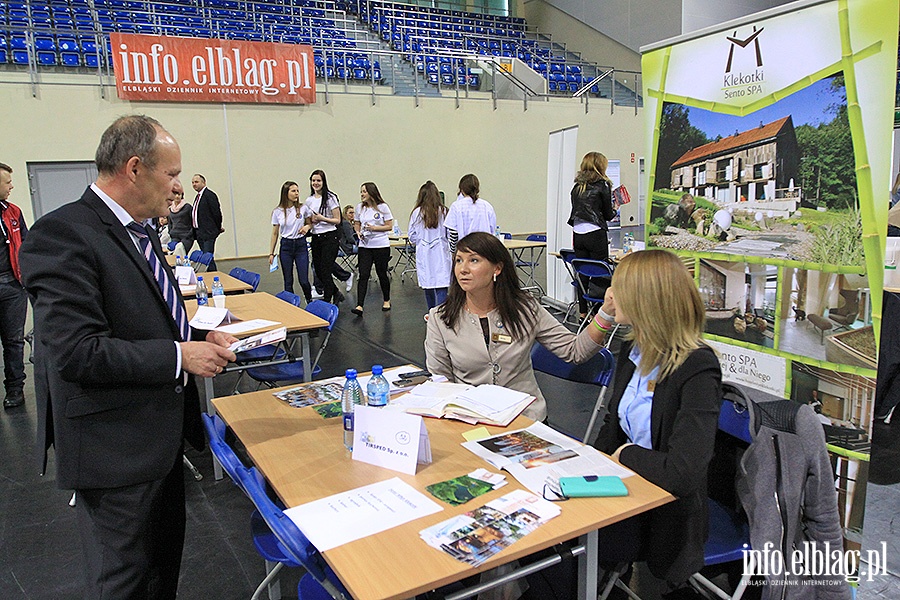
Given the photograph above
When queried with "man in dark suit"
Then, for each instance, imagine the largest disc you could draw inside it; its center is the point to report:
(112, 362)
(207, 216)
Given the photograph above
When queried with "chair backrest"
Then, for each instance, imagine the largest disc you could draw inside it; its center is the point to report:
(195, 256)
(597, 371)
(324, 310)
(236, 272)
(290, 539)
(593, 268)
(206, 258)
(171, 245)
(251, 278)
(215, 431)
(288, 297)
(536, 237)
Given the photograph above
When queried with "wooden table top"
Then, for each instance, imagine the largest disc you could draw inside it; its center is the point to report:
(303, 457)
(519, 244)
(231, 284)
(266, 306)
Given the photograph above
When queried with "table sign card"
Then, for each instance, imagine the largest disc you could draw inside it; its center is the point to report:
(390, 439)
(210, 317)
(185, 276)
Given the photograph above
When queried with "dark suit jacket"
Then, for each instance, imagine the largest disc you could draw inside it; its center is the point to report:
(209, 216)
(105, 357)
(683, 422)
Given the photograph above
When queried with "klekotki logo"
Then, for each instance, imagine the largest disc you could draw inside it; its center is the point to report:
(743, 43)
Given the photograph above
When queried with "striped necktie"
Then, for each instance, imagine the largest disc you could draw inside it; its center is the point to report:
(162, 280)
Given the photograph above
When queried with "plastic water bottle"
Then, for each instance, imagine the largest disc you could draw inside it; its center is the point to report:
(202, 293)
(177, 260)
(497, 233)
(628, 243)
(218, 293)
(397, 231)
(351, 396)
(378, 388)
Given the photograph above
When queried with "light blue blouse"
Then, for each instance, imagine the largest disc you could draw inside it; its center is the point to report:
(636, 402)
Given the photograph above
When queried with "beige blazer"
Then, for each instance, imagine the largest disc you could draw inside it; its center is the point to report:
(461, 356)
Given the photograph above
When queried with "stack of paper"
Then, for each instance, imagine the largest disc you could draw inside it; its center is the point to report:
(488, 404)
(479, 534)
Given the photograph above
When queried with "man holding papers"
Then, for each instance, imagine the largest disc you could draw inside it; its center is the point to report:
(113, 352)
(483, 333)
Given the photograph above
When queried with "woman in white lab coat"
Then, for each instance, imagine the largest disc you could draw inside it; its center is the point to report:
(428, 234)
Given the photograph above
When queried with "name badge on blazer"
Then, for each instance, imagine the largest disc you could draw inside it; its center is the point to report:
(501, 338)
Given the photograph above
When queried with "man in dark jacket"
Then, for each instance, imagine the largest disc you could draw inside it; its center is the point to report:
(13, 298)
(207, 216)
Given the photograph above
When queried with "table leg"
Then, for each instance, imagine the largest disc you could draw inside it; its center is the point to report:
(588, 563)
(208, 389)
(307, 360)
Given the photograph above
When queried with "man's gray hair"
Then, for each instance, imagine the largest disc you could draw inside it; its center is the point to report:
(131, 135)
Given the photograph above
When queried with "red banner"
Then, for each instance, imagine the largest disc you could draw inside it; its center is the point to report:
(174, 69)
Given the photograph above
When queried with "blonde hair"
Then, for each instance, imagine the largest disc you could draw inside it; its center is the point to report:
(593, 169)
(655, 290)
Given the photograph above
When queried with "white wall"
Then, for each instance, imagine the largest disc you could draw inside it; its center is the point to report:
(392, 143)
(697, 14)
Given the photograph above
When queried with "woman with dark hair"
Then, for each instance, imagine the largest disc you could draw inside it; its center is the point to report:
(290, 223)
(483, 333)
(372, 222)
(428, 234)
(180, 224)
(663, 413)
(591, 209)
(325, 216)
(469, 213)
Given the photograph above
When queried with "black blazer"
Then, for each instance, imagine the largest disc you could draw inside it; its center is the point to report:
(683, 422)
(209, 216)
(105, 358)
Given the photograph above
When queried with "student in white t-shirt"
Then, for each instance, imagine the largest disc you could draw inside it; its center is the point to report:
(289, 222)
(372, 222)
(469, 213)
(325, 216)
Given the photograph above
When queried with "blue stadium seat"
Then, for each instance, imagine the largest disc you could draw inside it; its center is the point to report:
(3, 56)
(20, 57)
(70, 59)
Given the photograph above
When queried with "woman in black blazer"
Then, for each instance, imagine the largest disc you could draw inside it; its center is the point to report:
(664, 408)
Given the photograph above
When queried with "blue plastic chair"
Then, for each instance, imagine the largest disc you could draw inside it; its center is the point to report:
(195, 257)
(598, 371)
(171, 245)
(205, 259)
(279, 540)
(597, 271)
(293, 372)
(729, 531)
(527, 267)
(250, 278)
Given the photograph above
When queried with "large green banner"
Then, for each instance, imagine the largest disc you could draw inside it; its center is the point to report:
(771, 155)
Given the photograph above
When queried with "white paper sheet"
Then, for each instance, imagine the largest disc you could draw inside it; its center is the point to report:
(247, 326)
(336, 520)
(210, 317)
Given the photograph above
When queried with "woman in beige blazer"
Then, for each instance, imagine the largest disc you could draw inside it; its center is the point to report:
(483, 333)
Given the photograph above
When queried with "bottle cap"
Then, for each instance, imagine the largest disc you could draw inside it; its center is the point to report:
(350, 373)
(200, 278)
(216, 278)
(377, 369)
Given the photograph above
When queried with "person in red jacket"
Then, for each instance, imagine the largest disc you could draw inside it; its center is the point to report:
(13, 298)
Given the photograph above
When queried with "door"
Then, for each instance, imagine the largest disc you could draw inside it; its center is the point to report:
(53, 184)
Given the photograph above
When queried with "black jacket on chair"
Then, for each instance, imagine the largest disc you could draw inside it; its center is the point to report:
(105, 358)
(683, 420)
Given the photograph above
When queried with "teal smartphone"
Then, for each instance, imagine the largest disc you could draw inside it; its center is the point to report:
(590, 486)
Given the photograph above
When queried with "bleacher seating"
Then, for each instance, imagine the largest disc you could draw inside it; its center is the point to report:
(438, 43)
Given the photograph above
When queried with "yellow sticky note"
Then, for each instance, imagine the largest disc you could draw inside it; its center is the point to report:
(478, 433)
